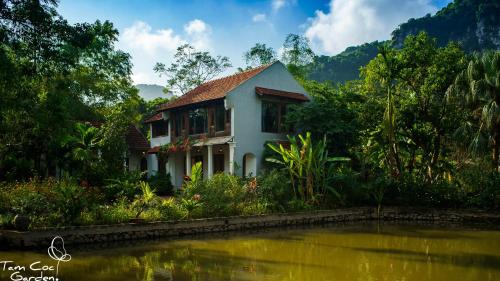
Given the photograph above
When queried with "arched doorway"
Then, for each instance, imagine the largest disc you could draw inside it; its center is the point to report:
(249, 165)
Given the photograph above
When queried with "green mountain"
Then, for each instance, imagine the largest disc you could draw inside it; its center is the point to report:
(475, 24)
(344, 66)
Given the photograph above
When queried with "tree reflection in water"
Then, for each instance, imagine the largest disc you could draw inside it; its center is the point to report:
(360, 252)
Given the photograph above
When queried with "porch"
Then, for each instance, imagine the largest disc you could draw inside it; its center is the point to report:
(215, 154)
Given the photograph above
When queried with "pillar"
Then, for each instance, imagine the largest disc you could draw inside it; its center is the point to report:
(232, 145)
(188, 163)
(210, 166)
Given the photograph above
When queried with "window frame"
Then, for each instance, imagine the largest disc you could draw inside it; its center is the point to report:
(283, 108)
(164, 133)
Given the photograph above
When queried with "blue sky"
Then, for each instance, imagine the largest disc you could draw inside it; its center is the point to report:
(151, 30)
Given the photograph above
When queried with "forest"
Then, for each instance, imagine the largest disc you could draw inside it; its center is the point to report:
(420, 126)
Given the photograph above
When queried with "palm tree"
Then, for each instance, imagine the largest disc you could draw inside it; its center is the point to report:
(84, 147)
(479, 85)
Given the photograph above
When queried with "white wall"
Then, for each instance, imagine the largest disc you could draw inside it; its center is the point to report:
(152, 164)
(247, 106)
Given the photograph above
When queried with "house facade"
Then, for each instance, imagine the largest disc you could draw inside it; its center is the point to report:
(223, 123)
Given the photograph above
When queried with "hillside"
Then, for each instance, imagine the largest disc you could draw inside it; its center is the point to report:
(344, 66)
(473, 23)
(152, 91)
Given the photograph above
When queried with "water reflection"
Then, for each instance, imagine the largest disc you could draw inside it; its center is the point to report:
(335, 253)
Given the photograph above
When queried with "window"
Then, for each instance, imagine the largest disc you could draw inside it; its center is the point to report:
(198, 121)
(179, 124)
(220, 124)
(159, 128)
(270, 112)
(273, 116)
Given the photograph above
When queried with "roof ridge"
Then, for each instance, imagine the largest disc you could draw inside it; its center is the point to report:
(195, 91)
(238, 73)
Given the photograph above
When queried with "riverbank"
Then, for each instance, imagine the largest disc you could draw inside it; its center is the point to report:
(42, 237)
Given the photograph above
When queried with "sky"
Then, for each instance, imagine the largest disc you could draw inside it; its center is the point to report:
(151, 30)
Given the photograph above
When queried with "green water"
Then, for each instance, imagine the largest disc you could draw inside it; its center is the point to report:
(363, 252)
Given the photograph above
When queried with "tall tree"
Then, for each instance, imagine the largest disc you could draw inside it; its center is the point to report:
(418, 119)
(479, 88)
(191, 68)
(297, 51)
(258, 55)
(52, 75)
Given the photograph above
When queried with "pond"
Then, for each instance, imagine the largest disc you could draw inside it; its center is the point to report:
(351, 252)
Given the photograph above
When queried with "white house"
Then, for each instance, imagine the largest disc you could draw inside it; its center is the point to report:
(223, 123)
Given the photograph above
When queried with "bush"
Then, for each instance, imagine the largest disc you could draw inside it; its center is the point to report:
(162, 184)
(221, 195)
(69, 200)
(127, 185)
(118, 212)
(170, 210)
(274, 190)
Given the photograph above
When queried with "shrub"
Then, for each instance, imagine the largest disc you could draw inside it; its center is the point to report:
(145, 201)
(69, 200)
(30, 198)
(220, 195)
(162, 184)
(127, 185)
(118, 212)
(274, 190)
(170, 210)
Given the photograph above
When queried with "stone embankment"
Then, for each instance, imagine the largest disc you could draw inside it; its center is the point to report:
(152, 230)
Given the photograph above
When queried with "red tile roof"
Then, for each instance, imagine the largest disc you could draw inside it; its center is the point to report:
(136, 140)
(212, 90)
(278, 93)
(156, 117)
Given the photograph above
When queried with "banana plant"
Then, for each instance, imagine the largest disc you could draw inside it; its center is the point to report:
(307, 165)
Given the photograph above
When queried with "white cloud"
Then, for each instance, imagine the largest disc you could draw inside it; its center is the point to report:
(278, 4)
(140, 37)
(199, 34)
(148, 46)
(259, 18)
(354, 22)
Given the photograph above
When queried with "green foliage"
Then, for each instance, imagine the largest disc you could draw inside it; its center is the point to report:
(460, 21)
(162, 184)
(118, 212)
(146, 200)
(478, 90)
(274, 189)
(332, 113)
(259, 55)
(221, 195)
(191, 68)
(297, 50)
(344, 66)
(308, 166)
(69, 201)
(407, 87)
(51, 77)
(126, 185)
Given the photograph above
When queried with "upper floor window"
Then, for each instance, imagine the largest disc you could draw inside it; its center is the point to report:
(270, 114)
(220, 124)
(273, 116)
(159, 129)
(178, 124)
(198, 121)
